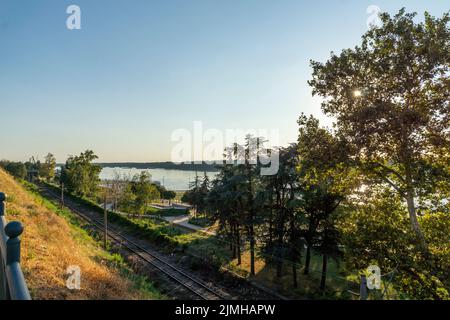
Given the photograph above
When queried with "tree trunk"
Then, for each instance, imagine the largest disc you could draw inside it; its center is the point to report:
(252, 251)
(293, 239)
(294, 275)
(413, 218)
(251, 226)
(279, 264)
(278, 255)
(280, 231)
(271, 224)
(323, 279)
(233, 242)
(412, 208)
(239, 255)
(238, 246)
(307, 259)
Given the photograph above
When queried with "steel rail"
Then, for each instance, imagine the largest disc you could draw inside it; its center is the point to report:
(141, 252)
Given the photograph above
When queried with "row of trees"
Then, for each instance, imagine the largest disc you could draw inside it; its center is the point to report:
(321, 201)
(80, 176)
(276, 215)
(196, 195)
(376, 188)
(21, 170)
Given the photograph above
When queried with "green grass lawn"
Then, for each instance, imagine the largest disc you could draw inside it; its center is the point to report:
(166, 212)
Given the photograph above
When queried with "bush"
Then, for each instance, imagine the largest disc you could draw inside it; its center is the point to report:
(17, 169)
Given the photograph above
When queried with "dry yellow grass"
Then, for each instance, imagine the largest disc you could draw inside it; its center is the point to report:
(50, 244)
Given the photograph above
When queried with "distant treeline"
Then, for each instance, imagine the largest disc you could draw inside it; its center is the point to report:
(201, 167)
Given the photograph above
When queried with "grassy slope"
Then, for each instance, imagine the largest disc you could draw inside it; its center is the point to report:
(52, 241)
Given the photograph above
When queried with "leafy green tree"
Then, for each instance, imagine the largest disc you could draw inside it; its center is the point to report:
(192, 196)
(318, 204)
(325, 181)
(277, 201)
(375, 230)
(226, 206)
(390, 99)
(169, 195)
(203, 193)
(3, 163)
(247, 174)
(80, 175)
(33, 167)
(47, 169)
(198, 193)
(17, 169)
(144, 192)
(127, 198)
(328, 243)
(166, 194)
(436, 226)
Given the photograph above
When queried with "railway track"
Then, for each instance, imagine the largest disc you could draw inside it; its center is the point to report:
(192, 284)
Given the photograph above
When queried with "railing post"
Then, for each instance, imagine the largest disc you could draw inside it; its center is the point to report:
(13, 230)
(4, 291)
(17, 287)
(2, 203)
(12, 281)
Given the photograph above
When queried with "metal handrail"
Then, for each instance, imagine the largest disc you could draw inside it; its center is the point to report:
(12, 281)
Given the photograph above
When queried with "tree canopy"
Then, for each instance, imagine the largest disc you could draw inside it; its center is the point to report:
(390, 99)
(80, 176)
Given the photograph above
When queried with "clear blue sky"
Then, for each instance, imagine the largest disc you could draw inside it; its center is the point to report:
(137, 70)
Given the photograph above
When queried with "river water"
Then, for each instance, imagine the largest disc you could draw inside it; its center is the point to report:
(177, 180)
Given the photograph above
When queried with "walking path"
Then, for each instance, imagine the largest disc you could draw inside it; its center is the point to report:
(178, 206)
(183, 221)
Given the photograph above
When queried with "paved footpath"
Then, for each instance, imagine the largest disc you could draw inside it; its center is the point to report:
(184, 222)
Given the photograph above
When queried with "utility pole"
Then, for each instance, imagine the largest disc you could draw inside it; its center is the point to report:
(62, 195)
(105, 216)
